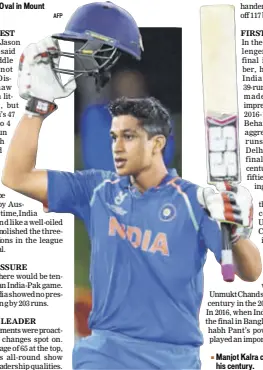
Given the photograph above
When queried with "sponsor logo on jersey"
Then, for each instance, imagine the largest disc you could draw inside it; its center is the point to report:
(167, 212)
(141, 239)
(116, 209)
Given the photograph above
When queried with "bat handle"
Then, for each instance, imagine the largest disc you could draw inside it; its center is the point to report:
(227, 264)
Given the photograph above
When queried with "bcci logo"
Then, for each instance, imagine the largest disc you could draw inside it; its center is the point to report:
(167, 212)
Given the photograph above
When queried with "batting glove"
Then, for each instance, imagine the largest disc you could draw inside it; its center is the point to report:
(232, 204)
(37, 82)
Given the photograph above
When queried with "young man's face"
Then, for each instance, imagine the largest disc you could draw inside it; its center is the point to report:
(132, 150)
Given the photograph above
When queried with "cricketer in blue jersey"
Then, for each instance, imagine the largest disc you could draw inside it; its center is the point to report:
(150, 233)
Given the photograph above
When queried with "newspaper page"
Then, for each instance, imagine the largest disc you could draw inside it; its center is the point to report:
(47, 262)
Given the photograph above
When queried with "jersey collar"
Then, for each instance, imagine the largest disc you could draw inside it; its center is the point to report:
(172, 173)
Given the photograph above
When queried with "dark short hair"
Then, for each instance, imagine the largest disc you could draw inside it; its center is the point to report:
(152, 115)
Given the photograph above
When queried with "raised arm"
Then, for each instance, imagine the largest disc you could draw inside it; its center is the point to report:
(40, 86)
(19, 171)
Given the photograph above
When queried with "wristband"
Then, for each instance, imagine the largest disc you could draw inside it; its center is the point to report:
(40, 107)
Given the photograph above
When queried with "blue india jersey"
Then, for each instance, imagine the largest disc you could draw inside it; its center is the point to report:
(148, 252)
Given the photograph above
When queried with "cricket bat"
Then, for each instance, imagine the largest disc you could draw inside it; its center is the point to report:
(221, 107)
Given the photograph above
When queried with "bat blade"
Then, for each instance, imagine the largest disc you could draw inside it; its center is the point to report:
(220, 92)
(220, 105)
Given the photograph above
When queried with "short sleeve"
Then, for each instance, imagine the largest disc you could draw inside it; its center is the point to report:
(71, 192)
(211, 235)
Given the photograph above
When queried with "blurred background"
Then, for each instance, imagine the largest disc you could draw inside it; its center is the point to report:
(158, 74)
